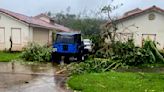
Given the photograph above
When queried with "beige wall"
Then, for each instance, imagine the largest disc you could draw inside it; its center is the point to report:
(42, 36)
(144, 26)
(8, 23)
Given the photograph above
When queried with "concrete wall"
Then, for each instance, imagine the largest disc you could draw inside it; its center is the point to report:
(8, 23)
(139, 25)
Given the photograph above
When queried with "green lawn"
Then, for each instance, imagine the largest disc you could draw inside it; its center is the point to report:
(118, 82)
(6, 56)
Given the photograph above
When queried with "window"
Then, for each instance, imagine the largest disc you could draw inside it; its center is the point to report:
(148, 36)
(124, 36)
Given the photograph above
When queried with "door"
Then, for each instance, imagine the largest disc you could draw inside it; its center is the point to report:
(16, 35)
(2, 35)
(41, 36)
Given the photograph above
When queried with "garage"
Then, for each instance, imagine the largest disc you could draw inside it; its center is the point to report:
(16, 39)
(16, 36)
(41, 35)
(2, 38)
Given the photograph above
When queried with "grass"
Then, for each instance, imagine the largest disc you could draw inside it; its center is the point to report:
(6, 56)
(118, 82)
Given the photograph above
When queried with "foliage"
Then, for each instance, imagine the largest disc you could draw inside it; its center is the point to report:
(88, 26)
(117, 82)
(90, 66)
(125, 54)
(162, 52)
(97, 42)
(36, 52)
(150, 46)
(105, 52)
(8, 56)
(128, 54)
(109, 29)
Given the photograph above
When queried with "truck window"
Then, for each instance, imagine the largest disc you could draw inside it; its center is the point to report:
(65, 39)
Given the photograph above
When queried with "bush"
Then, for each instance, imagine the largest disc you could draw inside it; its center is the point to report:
(36, 52)
(129, 54)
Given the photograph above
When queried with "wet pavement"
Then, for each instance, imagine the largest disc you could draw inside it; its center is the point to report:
(17, 77)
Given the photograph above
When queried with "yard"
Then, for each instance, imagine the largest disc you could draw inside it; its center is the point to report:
(118, 82)
(6, 56)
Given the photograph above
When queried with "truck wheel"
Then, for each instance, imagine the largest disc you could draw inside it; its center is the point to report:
(66, 60)
(81, 58)
(56, 58)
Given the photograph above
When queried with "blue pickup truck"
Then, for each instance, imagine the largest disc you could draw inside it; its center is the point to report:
(68, 45)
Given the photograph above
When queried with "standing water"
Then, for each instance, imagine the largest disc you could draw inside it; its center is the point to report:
(16, 77)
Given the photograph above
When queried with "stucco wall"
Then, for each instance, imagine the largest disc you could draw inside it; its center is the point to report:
(142, 25)
(8, 23)
(42, 36)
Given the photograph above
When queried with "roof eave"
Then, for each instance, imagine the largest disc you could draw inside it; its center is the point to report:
(34, 25)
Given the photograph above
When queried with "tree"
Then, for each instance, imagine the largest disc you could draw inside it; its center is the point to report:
(110, 28)
(88, 26)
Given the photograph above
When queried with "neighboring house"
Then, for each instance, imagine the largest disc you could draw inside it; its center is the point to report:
(22, 29)
(142, 24)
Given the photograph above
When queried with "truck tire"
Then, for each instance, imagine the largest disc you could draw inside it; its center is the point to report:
(80, 57)
(66, 60)
(56, 57)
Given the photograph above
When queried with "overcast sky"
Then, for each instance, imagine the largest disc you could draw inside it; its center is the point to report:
(34, 7)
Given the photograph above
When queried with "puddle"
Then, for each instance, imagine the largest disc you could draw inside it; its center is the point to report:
(16, 77)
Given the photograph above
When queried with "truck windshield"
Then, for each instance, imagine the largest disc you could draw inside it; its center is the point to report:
(65, 39)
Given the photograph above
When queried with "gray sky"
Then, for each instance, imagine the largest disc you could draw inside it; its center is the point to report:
(34, 7)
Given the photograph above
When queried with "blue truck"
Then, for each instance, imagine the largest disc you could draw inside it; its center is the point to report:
(68, 45)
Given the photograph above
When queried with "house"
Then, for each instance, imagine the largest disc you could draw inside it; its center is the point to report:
(21, 29)
(142, 24)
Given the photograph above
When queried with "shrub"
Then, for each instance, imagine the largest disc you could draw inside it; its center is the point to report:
(129, 54)
(36, 52)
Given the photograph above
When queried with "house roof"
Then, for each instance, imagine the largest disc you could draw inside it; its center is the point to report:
(137, 12)
(66, 29)
(33, 21)
(42, 15)
(132, 11)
